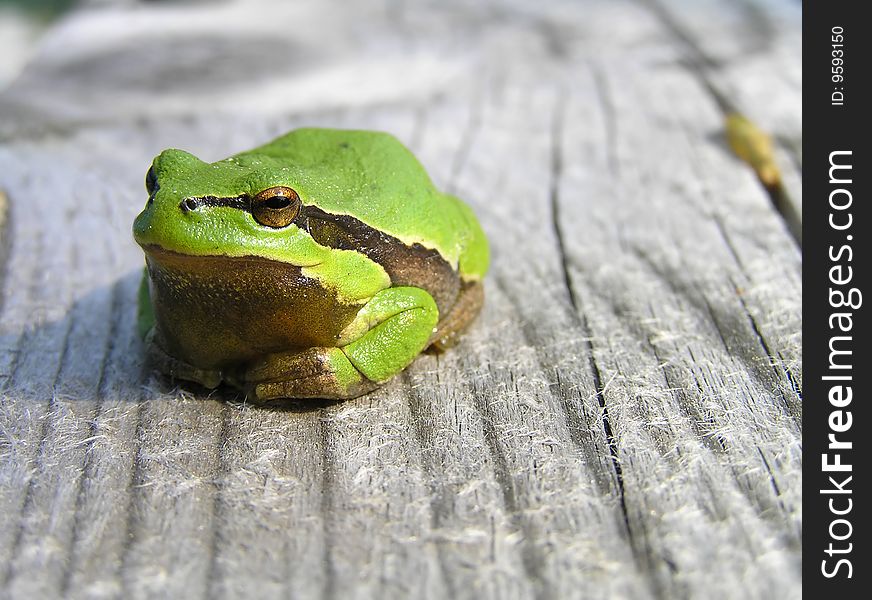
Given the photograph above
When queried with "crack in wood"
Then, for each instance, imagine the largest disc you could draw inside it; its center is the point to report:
(680, 395)
(699, 301)
(219, 475)
(565, 393)
(794, 382)
(556, 169)
(610, 119)
(795, 541)
(437, 494)
(135, 500)
(327, 481)
(532, 560)
(699, 64)
(88, 470)
(27, 504)
(793, 409)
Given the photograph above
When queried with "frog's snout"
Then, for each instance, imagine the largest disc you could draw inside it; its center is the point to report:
(142, 224)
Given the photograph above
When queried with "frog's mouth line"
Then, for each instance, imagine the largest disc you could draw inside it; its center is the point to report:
(178, 260)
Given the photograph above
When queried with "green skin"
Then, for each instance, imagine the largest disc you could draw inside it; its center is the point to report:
(355, 326)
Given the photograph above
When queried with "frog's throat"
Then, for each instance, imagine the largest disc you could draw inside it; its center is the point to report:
(217, 311)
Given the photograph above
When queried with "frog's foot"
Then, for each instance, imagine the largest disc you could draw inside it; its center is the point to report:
(464, 311)
(177, 369)
(311, 373)
(385, 336)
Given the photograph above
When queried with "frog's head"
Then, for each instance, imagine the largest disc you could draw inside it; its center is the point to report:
(242, 206)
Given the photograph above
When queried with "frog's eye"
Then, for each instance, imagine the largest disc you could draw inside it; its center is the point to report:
(151, 181)
(276, 206)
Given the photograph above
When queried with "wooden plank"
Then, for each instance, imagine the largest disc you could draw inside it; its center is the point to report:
(622, 421)
(747, 59)
(689, 380)
(534, 398)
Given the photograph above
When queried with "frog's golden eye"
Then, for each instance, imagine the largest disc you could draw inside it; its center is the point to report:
(276, 206)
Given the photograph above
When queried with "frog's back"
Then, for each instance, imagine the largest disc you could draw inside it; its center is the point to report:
(372, 177)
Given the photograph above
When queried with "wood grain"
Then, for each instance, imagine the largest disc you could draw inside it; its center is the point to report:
(623, 420)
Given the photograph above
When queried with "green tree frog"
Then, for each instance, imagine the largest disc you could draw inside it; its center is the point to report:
(318, 265)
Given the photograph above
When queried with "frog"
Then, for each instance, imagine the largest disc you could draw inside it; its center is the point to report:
(317, 265)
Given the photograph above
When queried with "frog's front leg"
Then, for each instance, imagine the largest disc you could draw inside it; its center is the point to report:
(165, 363)
(385, 336)
(312, 373)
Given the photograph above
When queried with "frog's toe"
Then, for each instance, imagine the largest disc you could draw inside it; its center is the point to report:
(312, 373)
(178, 369)
(467, 307)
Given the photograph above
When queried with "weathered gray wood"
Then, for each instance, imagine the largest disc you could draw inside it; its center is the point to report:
(623, 421)
(746, 59)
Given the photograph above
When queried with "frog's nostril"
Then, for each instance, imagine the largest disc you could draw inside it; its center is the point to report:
(188, 204)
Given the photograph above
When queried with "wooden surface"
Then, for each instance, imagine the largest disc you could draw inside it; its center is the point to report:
(624, 419)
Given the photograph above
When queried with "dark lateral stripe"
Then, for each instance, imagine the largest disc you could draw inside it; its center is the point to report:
(412, 265)
(240, 202)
